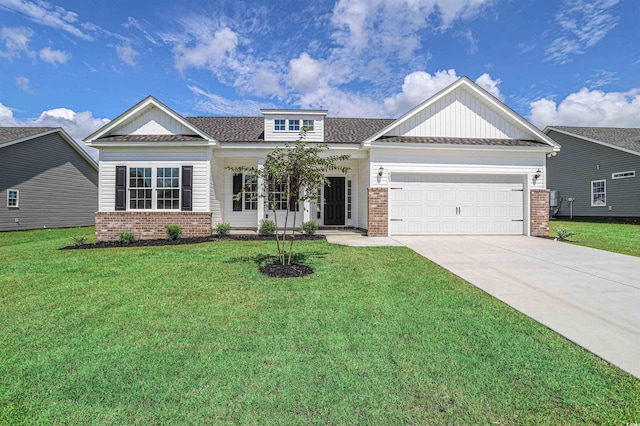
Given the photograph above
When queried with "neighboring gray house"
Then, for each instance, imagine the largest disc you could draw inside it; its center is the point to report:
(46, 180)
(597, 173)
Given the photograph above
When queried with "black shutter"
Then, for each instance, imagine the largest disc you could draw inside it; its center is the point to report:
(187, 189)
(237, 188)
(294, 206)
(121, 188)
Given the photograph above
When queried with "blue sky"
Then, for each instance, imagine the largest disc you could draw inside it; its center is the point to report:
(77, 64)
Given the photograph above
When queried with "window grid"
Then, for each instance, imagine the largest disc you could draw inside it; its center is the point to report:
(278, 197)
(598, 193)
(623, 175)
(280, 125)
(140, 192)
(251, 192)
(348, 199)
(12, 198)
(294, 125)
(308, 124)
(168, 188)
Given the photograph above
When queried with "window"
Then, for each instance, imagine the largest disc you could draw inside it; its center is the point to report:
(294, 125)
(280, 125)
(250, 192)
(168, 188)
(598, 193)
(140, 192)
(622, 175)
(12, 198)
(308, 124)
(278, 197)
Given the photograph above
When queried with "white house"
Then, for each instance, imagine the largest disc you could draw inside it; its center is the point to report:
(461, 162)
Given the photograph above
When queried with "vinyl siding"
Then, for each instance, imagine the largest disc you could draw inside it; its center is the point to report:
(156, 157)
(576, 165)
(152, 122)
(57, 186)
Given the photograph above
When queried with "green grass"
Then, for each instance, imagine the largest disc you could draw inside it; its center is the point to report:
(196, 335)
(615, 237)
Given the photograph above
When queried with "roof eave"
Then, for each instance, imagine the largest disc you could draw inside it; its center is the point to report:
(404, 145)
(584, 138)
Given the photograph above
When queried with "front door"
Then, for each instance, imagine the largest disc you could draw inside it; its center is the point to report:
(334, 201)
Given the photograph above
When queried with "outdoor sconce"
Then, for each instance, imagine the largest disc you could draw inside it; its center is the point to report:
(538, 174)
(380, 171)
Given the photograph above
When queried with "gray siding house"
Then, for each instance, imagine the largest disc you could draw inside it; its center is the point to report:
(598, 168)
(46, 180)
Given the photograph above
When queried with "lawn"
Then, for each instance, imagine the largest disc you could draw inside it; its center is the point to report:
(615, 237)
(196, 335)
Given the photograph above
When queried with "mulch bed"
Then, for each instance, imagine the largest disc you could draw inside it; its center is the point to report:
(195, 240)
(286, 271)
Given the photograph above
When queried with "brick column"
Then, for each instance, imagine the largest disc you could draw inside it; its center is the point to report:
(378, 225)
(539, 212)
(150, 225)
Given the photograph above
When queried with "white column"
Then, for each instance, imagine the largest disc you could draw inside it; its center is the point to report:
(261, 194)
(306, 210)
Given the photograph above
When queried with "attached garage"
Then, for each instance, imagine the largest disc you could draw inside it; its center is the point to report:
(431, 204)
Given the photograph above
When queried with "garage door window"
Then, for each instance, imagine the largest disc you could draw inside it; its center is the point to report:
(598, 193)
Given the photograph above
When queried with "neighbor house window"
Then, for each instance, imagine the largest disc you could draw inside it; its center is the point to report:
(168, 188)
(308, 124)
(140, 188)
(598, 193)
(12, 198)
(250, 192)
(294, 125)
(280, 125)
(622, 175)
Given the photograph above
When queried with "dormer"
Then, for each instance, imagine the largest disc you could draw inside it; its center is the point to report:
(284, 125)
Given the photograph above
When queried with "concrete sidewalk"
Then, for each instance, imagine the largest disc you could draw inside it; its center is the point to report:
(591, 297)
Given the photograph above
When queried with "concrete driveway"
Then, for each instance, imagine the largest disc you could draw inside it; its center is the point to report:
(592, 297)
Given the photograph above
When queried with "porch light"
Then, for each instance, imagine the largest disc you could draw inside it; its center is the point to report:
(538, 174)
(380, 171)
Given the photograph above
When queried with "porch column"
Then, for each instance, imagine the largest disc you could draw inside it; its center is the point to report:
(306, 210)
(539, 212)
(261, 194)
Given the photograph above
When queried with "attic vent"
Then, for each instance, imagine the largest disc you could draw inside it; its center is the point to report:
(622, 175)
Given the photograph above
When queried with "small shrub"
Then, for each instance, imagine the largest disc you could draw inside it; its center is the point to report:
(267, 227)
(79, 241)
(174, 232)
(310, 227)
(223, 229)
(126, 237)
(565, 234)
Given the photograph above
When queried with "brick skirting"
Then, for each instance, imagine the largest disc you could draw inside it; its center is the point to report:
(150, 225)
(539, 212)
(378, 217)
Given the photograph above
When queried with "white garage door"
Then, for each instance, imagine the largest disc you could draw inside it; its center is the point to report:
(455, 204)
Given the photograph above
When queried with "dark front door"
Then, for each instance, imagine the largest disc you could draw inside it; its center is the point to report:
(334, 201)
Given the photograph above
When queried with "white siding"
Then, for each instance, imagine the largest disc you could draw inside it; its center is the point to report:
(317, 135)
(460, 114)
(152, 122)
(363, 193)
(158, 157)
(217, 189)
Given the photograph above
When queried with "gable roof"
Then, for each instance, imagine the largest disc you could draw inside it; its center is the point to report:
(14, 135)
(622, 138)
(481, 95)
(139, 108)
(251, 129)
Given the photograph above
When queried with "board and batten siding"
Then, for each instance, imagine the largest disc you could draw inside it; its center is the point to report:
(578, 163)
(460, 114)
(152, 122)
(270, 134)
(198, 157)
(57, 186)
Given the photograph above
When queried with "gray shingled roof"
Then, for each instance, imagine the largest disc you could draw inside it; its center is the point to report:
(628, 138)
(151, 138)
(9, 134)
(461, 141)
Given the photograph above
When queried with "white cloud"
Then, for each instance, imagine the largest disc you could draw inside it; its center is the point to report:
(16, 41)
(305, 73)
(602, 78)
(266, 83)
(209, 49)
(23, 84)
(127, 54)
(589, 108)
(490, 85)
(54, 56)
(218, 105)
(583, 23)
(467, 35)
(417, 87)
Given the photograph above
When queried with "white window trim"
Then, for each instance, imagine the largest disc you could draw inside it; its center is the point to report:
(313, 125)
(604, 181)
(624, 175)
(247, 195)
(154, 188)
(9, 191)
(287, 124)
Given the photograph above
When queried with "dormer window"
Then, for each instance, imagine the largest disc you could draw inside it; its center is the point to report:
(280, 125)
(308, 125)
(294, 125)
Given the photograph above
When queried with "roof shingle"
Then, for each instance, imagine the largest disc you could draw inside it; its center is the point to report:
(460, 141)
(628, 137)
(10, 134)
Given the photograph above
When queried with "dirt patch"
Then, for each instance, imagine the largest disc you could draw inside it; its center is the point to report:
(286, 271)
(195, 240)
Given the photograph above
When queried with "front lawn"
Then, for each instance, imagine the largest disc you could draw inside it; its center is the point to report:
(615, 237)
(196, 335)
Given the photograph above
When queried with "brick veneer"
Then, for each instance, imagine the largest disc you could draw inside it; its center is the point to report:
(150, 225)
(378, 225)
(539, 212)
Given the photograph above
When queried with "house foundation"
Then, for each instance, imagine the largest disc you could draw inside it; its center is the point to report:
(150, 225)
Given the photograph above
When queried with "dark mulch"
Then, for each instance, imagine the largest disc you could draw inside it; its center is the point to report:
(286, 271)
(195, 240)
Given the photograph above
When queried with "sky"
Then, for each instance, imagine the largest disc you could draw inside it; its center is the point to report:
(78, 64)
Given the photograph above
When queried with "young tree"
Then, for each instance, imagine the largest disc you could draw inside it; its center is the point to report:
(297, 174)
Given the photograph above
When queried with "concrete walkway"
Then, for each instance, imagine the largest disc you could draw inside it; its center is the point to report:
(591, 297)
